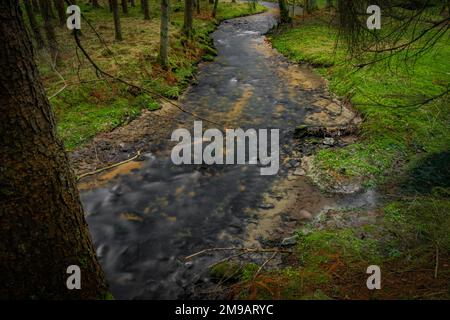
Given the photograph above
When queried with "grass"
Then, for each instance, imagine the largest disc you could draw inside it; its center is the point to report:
(88, 105)
(390, 134)
(330, 261)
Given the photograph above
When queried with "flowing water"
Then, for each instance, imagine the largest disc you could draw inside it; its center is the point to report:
(145, 221)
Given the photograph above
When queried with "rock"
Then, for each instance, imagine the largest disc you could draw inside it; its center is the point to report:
(267, 206)
(291, 241)
(301, 131)
(299, 172)
(305, 215)
(328, 142)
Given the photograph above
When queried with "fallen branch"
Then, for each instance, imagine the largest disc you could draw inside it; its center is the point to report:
(264, 264)
(108, 167)
(245, 250)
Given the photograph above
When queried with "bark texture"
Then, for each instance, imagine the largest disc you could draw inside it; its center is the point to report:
(42, 225)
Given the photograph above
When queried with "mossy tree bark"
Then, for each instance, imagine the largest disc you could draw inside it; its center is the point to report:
(42, 225)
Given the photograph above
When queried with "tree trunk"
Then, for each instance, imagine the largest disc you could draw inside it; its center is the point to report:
(214, 12)
(284, 11)
(60, 8)
(132, 3)
(164, 34)
(36, 6)
(310, 5)
(42, 225)
(211, 1)
(95, 4)
(117, 27)
(124, 7)
(146, 9)
(49, 29)
(187, 27)
(198, 6)
(34, 25)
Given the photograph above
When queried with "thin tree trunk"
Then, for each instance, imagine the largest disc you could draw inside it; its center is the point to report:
(187, 27)
(132, 3)
(146, 9)
(284, 11)
(42, 226)
(198, 6)
(124, 7)
(36, 6)
(95, 4)
(117, 27)
(214, 12)
(34, 25)
(60, 8)
(164, 34)
(49, 29)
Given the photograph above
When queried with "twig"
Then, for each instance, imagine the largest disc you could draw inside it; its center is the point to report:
(264, 264)
(246, 250)
(437, 262)
(108, 167)
(53, 65)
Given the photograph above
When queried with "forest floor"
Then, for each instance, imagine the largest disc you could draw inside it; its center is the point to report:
(103, 122)
(403, 153)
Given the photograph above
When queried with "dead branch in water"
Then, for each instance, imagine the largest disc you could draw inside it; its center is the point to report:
(108, 167)
(245, 250)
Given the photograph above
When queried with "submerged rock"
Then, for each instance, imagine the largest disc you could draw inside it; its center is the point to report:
(267, 206)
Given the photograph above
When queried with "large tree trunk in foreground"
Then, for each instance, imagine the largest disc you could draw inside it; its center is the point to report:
(42, 225)
(117, 27)
(164, 34)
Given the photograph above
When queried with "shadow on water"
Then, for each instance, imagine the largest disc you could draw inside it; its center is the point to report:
(143, 222)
